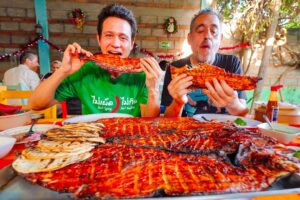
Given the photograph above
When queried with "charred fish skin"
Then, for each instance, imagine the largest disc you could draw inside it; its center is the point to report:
(115, 63)
(202, 73)
(145, 171)
(142, 158)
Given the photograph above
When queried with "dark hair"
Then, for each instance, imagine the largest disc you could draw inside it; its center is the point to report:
(115, 10)
(25, 55)
(202, 12)
(163, 64)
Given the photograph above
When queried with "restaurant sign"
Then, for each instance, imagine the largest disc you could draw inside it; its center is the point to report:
(164, 44)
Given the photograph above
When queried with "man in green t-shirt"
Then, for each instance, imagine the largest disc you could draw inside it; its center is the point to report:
(99, 90)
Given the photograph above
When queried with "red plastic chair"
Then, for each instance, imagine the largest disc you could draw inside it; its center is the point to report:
(64, 109)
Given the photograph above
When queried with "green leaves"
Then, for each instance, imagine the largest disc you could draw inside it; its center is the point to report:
(253, 17)
(297, 154)
(240, 121)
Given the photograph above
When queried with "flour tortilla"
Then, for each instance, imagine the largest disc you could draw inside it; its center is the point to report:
(36, 153)
(58, 146)
(23, 165)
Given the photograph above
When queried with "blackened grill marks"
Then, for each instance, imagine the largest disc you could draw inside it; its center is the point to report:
(150, 161)
(203, 72)
(113, 62)
(206, 170)
(167, 131)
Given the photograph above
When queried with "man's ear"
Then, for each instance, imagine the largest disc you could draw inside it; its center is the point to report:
(189, 38)
(132, 43)
(27, 61)
(98, 39)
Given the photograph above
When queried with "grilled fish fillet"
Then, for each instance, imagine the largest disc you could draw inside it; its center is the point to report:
(202, 73)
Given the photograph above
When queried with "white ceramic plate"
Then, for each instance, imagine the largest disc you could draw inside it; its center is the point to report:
(6, 144)
(19, 131)
(225, 118)
(94, 117)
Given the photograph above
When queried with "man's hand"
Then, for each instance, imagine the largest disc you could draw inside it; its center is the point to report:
(153, 74)
(222, 95)
(71, 61)
(178, 88)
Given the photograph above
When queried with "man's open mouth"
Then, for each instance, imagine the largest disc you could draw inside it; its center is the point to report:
(205, 46)
(115, 53)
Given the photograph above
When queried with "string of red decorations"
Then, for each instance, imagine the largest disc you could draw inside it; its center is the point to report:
(152, 54)
(168, 56)
(29, 45)
(236, 46)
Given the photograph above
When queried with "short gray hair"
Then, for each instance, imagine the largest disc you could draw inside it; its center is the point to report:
(27, 55)
(56, 62)
(202, 12)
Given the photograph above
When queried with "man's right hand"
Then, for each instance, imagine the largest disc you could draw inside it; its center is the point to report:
(178, 88)
(71, 61)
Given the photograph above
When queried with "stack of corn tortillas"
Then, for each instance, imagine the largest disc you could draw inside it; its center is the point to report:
(60, 147)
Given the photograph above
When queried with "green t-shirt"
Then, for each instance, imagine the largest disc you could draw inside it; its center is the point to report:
(99, 93)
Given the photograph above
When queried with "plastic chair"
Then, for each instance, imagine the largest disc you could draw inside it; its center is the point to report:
(49, 113)
(19, 86)
(64, 109)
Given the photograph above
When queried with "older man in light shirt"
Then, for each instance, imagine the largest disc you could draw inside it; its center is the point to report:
(25, 75)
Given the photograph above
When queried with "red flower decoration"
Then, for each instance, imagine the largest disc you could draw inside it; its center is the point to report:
(78, 18)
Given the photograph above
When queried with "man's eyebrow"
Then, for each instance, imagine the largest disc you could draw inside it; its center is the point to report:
(215, 26)
(124, 34)
(107, 32)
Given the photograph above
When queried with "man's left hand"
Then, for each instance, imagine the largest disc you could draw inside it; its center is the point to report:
(220, 93)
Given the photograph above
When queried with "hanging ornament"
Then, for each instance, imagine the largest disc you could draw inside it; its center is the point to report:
(29, 45)
(170, 25)
(33, 43)
(78, 18)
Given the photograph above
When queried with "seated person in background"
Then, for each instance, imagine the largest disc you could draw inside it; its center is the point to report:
(55, 65)
(99, 90)
(163, 66)
(25, 74)
(205, 38)
(73, 104)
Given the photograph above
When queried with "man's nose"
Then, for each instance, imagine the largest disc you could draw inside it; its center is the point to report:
(116, 42)
(208, 33)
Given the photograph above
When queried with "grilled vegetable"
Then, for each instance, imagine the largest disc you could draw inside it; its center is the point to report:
(297, 154)
(240, 121)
